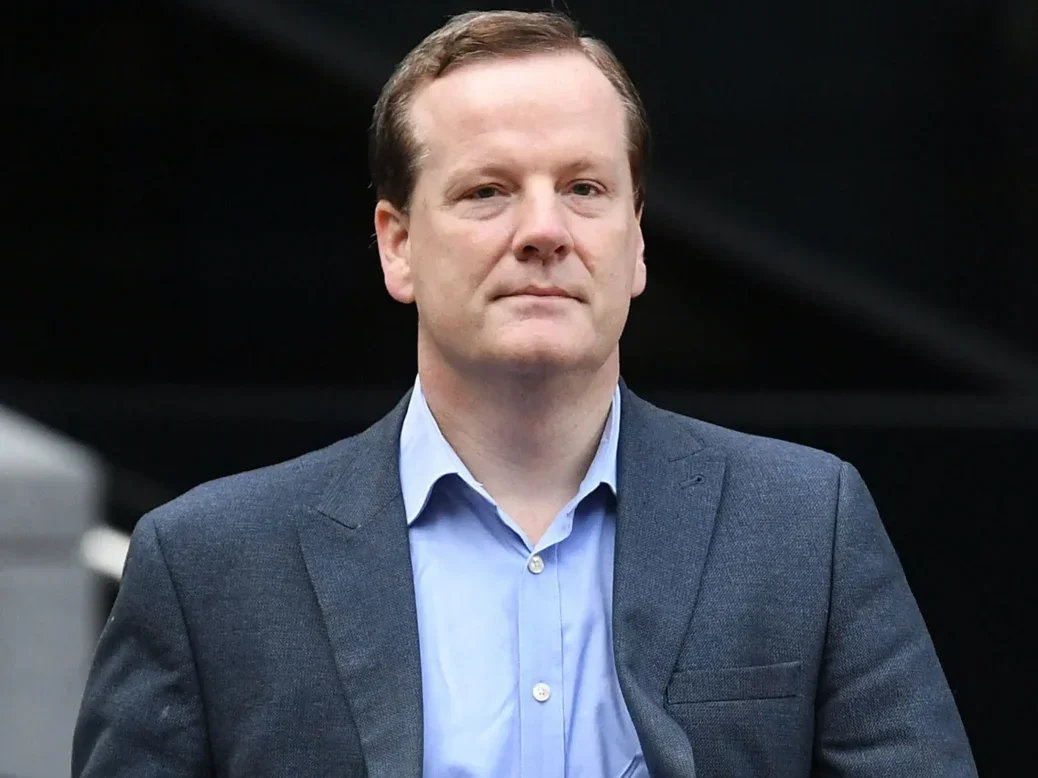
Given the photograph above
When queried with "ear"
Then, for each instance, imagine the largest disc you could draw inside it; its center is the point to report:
(394, 250)
(638, 284)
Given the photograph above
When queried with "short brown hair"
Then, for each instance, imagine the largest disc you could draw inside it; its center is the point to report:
(393, 152)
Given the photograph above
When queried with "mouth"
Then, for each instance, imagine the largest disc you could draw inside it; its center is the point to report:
(542, 292)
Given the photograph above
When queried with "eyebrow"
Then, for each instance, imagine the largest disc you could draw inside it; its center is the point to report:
(588, 162)
(582, 163)
(464, 174)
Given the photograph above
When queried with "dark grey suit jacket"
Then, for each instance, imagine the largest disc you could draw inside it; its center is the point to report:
(266, 622)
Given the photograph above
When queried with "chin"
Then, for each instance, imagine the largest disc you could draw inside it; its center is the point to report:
(544, 355)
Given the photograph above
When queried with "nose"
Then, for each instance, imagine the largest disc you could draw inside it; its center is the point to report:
(542, 232)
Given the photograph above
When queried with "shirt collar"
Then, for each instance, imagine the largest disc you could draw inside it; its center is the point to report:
(426, 456)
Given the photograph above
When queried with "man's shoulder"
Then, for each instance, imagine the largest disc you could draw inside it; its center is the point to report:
(767, 487)
(753, 450)
(762, 459)
(741, 445)
(263, 499)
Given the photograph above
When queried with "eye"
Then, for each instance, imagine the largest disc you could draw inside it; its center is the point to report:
(585, 189)
(484, 192)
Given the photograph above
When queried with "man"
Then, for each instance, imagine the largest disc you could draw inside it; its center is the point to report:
(524, 570)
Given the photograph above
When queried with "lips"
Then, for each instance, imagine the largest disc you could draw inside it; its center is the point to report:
(540, 291)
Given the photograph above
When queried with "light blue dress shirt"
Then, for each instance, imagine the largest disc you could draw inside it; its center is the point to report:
(518, 675)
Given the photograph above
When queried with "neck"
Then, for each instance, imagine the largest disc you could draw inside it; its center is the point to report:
(528, 439)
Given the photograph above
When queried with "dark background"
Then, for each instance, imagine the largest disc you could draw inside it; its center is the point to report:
(841, 244)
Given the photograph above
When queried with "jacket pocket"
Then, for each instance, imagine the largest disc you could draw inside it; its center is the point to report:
(721, 684)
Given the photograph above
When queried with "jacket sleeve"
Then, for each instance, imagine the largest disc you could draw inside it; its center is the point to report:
(142, 712)
(883, 705)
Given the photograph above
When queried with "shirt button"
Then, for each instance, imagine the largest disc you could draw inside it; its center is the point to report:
(536, 564)
(541, 692)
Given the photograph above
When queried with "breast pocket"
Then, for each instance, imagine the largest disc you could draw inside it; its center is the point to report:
(722, 684)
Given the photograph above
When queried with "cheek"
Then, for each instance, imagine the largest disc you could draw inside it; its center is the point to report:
(455, 262)
(612, 259)
(469, 255)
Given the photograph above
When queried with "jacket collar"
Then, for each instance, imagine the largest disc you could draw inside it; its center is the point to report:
(355, 544)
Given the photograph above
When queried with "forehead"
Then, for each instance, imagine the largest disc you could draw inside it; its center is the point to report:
(533, 103)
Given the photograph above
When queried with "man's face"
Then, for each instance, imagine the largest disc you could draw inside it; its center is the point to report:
(522, 248)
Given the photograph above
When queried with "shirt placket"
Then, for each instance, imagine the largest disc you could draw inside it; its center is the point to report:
(541, 697)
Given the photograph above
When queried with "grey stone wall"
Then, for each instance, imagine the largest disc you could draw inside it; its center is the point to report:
(50, 494)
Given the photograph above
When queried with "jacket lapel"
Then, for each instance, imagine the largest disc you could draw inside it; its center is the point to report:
(356, 550)
(669, 487)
